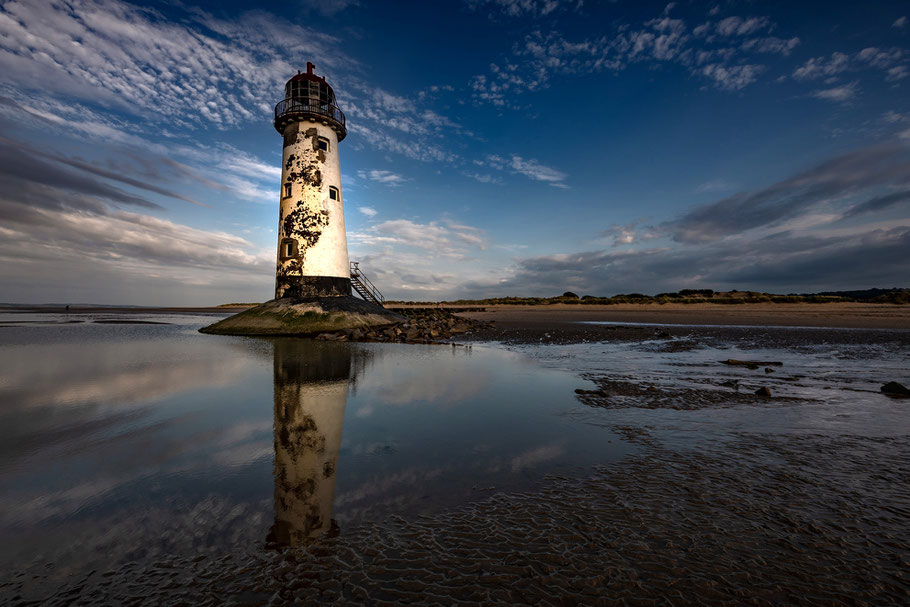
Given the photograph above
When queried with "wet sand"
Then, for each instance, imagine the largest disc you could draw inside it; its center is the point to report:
(767, 521)
(808, 513)
(840, 315)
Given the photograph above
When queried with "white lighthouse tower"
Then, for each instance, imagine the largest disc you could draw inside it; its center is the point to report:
(313, 277)
(312, 246)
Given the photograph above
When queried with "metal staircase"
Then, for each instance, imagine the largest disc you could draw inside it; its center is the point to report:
(364, 287)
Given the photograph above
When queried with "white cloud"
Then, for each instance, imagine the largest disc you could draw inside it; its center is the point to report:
(656, 41)
(233, 160)
(740, 26)
(879, 58)
(534, 170)
(368, 211)
(408, 258)
(771, 45)
(328, 7)
(484, 177)
(898, 72)
(889, 60)
(838, 93)
(620, 235)
(519, 8)
(715, 185)
(381, 176)
(445, 237)
(152, 259)
(819, 67)
(198, 71)
(732, 77)
(531, 169)
(900, 22)
(406, 146)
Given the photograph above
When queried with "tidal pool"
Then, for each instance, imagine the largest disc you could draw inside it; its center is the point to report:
(123, 442)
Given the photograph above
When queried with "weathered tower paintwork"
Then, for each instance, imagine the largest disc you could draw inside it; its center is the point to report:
(312, 245)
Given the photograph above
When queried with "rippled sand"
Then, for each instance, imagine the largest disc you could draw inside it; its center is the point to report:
(797, 520)
(811, 506)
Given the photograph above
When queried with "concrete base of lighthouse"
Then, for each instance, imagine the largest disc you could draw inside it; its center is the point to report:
(304, 316)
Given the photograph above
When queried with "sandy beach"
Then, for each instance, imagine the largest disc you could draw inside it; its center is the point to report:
(834, 315)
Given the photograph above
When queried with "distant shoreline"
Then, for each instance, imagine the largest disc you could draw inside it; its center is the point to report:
(847, 315)
(77, 309)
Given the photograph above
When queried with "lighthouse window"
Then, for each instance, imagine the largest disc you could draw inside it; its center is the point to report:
(333, 193)
(287, 190)
(288, 248)
(323, 144)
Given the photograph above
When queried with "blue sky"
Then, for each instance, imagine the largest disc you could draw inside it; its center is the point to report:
(495, 147)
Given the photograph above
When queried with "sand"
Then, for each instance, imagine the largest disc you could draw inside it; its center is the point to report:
(812, 513)
(841, 315)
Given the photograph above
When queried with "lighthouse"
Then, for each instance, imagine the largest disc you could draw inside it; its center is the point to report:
(313, 276)
(312, 246)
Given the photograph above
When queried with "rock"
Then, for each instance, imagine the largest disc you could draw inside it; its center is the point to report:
(752, 364)
(892, 388)
(591, 392)
(304, 316)
(769, 370)
(763, 392)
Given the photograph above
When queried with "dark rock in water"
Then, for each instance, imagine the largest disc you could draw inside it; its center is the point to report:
(764, 392)
(769, 370)
(752, 364)
(591, 392)
(892, 388)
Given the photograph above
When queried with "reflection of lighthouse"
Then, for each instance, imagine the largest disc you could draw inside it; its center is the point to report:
(311, 391)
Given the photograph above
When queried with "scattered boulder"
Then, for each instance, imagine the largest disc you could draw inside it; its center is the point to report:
(764, 392)
(892, 388)
(591, 392)
(752, 364)
(421, 326)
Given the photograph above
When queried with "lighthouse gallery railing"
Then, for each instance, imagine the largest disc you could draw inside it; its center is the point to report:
(293, 105)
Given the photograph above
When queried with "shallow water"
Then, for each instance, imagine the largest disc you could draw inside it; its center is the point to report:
(152, 464)
(123, 442)
(820, 388)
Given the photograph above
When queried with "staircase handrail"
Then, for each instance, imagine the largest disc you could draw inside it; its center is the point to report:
(357, 273)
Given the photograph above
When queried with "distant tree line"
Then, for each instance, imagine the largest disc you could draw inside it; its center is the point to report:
(690, 296)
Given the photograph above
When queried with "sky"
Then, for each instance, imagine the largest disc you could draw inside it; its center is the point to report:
(494, 148)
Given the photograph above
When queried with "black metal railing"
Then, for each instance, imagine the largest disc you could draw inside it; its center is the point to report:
(293, 106)
(363, 286)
